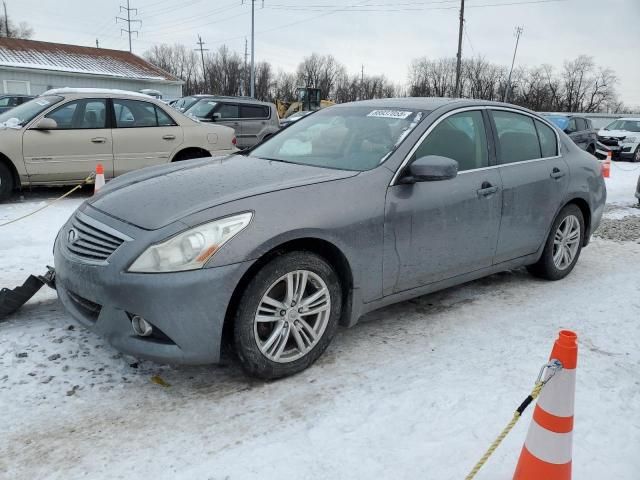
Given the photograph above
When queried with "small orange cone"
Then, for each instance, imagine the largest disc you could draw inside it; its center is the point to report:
(606, 166)
(546, 454)
(99, 183)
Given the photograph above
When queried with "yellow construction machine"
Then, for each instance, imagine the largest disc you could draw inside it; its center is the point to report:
(309, 99)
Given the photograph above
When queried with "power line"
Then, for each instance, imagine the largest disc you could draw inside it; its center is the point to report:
(128, 9)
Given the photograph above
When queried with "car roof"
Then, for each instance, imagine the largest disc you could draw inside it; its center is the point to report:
(234, 99)
(431, 103)
(633, 119)
(96, 91)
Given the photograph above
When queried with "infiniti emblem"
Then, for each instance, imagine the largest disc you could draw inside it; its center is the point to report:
(72, 236)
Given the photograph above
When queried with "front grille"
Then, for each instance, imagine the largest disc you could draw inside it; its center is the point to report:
(90, 239)
(609, 141)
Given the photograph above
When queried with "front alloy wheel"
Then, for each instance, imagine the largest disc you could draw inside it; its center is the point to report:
(292, 316)
(287, 315)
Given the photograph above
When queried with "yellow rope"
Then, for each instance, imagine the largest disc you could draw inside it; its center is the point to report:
(85, 181)
(516, 416)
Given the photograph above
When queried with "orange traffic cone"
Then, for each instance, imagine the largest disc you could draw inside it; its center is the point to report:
(99, 183)
(546, 454)
(606, 166)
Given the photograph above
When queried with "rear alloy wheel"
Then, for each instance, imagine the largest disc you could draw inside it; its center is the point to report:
(6, 182)
(288, 315)
(563, 245)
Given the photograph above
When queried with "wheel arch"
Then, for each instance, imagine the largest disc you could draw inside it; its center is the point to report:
(321, 247)
(12, 168)
(187, 150)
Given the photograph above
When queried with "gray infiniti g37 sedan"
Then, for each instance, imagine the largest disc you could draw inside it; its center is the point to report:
(350, 209)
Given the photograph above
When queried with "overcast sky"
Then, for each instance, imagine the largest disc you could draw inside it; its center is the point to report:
(382, 35)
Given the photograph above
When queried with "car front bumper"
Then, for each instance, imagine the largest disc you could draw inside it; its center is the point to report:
(186, 309)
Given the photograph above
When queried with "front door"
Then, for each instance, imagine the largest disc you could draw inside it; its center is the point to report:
(441, 229)
(228, 114)
(71, 151)
(535, 179)
(143, 135)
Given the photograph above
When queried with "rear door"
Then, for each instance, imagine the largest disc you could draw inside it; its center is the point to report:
(230, 117)
(71, 151)
(438, 230)
(144, 134)
(534, 179)
(254, 120)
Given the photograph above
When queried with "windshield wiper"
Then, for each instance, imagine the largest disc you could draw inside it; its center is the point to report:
(272, 159)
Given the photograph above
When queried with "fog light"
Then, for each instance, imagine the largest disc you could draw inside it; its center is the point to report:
(140, 326)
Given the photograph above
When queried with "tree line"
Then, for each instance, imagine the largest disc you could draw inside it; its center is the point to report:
(579, 86)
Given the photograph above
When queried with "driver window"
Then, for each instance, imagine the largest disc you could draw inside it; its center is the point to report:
(461, 137)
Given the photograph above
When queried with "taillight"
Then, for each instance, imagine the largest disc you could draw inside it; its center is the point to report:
(234, 141)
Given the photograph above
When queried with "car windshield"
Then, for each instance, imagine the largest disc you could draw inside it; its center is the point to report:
(202, 108)
(628, 125)
(28, 111)
(345, 138)
(559, 121)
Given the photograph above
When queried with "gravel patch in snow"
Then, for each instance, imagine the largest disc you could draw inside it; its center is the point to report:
(625, 229)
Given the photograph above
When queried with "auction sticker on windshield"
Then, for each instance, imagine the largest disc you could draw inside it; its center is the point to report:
(402, 114)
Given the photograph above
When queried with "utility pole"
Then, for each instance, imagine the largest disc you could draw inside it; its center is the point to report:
(459, 64)
(97, 43)
(200, 43)
(253, 45)
(362, 82)
(244, 72)
(6, 20)
(513, 61)
(128, 9)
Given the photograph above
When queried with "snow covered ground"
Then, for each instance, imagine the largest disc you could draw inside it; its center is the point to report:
(417, 390)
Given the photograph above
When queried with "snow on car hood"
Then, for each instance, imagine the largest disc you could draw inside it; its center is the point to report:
(154, 197)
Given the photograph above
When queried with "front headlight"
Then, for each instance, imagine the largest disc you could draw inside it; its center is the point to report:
(191, 249)
(630, 140)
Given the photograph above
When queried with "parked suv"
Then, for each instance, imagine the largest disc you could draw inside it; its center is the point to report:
(579, 129)
(60, 136)
(7, 102)
(623, 138)
(252, 120)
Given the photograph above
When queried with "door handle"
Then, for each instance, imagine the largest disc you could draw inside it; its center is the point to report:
(98, 140)
(556, 173)
(169, 137)
(487, 190)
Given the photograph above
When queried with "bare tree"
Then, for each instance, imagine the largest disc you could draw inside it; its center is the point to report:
(22, 30)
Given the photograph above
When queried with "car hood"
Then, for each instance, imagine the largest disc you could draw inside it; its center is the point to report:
(616, 133)
(154, 197)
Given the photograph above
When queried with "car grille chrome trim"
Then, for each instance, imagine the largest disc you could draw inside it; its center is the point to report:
(91, 240)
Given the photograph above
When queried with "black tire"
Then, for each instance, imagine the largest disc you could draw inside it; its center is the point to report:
(6, 182)
(636, 155)
(253, 361)
(545, 267)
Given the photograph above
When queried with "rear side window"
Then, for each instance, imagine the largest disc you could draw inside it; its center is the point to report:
(548, 140)
(139, 114)
(581, 124)
(254, 111)
(517, 137)
(461, 137)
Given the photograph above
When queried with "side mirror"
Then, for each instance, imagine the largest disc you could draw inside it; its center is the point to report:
(430, 169)
(215, 117)
(46, 124)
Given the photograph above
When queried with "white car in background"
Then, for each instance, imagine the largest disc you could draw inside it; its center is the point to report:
(59, 137)
(622, 137)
